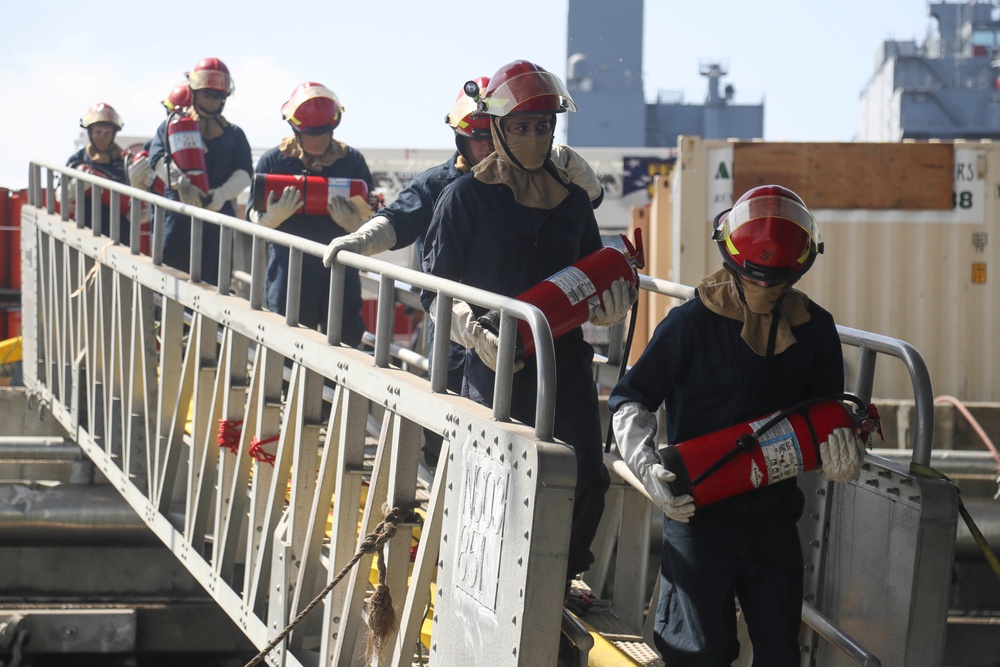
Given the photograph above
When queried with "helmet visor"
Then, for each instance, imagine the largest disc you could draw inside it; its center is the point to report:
(304, 113)
(211, 78)
(527, 86)
(768, 207)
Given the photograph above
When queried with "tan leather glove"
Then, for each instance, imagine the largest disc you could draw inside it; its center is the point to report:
(279, 208)
(344, 214)
(188, 192)
(578, 169)
(842, 455)
(237, 182)
(373, 237)
(635, 428)
(617, 300)
(140, 174)
(470, 334)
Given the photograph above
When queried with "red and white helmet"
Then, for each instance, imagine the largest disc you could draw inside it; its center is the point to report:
(101, 113)
(524, 87)
(313, 109)
(178, 99)
(769, 235)
(464, 117)
(211, 73)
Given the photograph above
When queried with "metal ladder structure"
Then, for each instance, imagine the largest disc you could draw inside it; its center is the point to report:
(168, 384)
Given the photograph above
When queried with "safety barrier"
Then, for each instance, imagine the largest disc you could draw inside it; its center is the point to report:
(152, 370)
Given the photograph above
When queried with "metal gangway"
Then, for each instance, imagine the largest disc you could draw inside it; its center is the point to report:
(169, 384)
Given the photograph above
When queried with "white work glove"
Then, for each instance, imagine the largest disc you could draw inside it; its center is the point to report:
(617, 300)
(145, 214)
(470, 334)
(373, 237)
(578, 169)
(635, 428)
(279, 207)
(231, 189)
(140, 174)
(841, 456)
(189, 193)
(344, 214)
(176, 176)
(70, 193)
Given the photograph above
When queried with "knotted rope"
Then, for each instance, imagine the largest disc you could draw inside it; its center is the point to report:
(382, 621)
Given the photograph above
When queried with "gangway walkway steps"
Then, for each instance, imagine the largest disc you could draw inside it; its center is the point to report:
(122, 348)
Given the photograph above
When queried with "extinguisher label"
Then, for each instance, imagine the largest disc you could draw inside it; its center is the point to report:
(338, 187)
(781, 450)
(180, 141)
(574, 283)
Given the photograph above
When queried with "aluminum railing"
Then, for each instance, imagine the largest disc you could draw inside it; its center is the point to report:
(148, 369)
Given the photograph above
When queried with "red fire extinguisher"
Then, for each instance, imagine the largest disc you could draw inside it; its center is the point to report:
(187, 149)
(763, 451)
(567, 298)
(317, 191)
(105, 193)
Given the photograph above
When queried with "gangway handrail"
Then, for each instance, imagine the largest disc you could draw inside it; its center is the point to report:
(869, 344)
(447, 290)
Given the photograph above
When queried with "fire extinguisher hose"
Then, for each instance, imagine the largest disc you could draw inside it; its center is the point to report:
(749, 441)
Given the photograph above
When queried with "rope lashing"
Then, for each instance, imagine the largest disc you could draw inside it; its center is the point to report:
(381, 616)
(230, 431)
(258, 452)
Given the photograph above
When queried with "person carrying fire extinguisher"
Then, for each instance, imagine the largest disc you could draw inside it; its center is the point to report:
(313, 111)
(746, 345)
(513, 221)
(406, 219)
(102, 156)
(226, 165)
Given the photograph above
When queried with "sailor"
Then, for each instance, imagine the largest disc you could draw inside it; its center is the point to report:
(227, 161)
(510, 223)
(746, 345)
(102, 156)
(406, 219)
(313, 112)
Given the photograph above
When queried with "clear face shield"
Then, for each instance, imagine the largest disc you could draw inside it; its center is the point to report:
(211, 79)
(527, 86)
(768, 207)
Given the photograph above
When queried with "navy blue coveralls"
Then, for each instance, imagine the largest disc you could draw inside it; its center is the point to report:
(114, 170)
(315, 286)
(410, 215)
(224, 155)
(481, 236)
(708, 379)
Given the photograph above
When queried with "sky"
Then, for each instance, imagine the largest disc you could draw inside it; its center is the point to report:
(397, 65)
